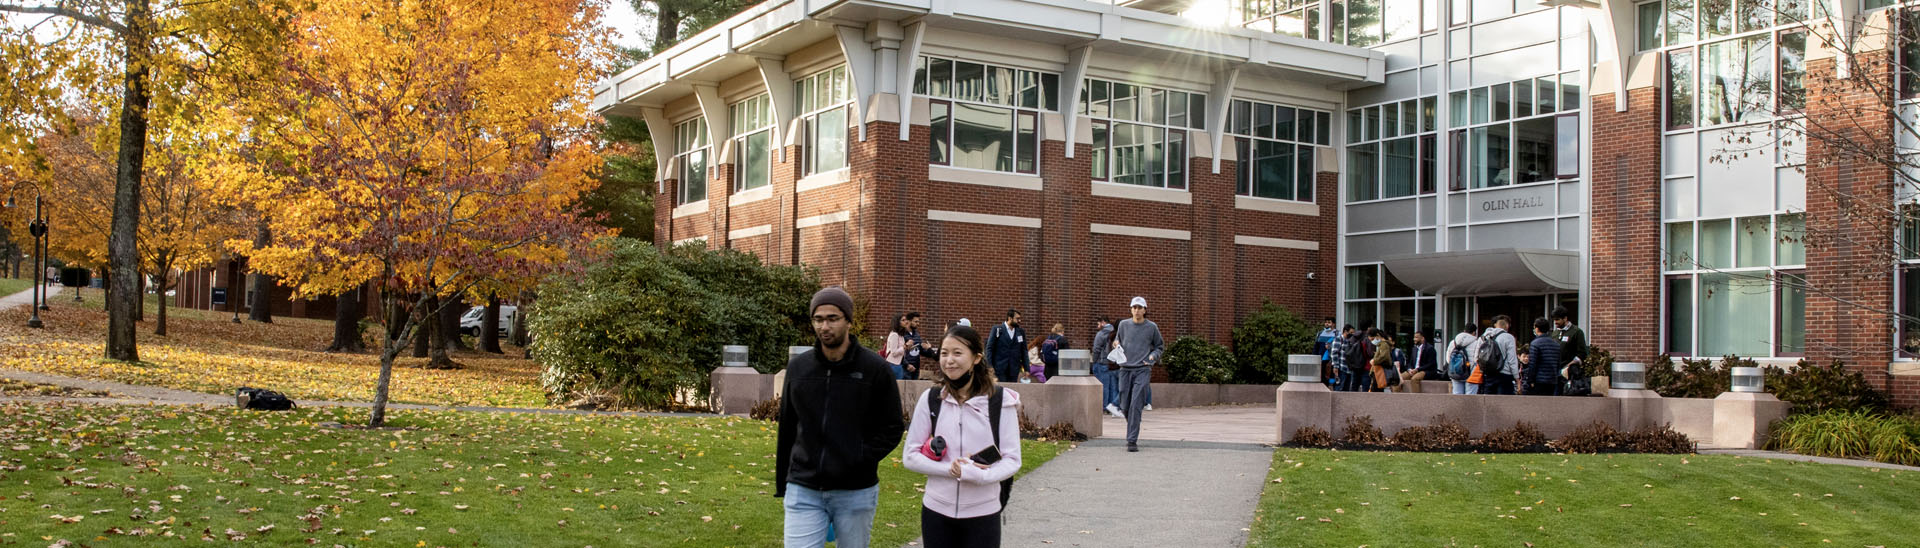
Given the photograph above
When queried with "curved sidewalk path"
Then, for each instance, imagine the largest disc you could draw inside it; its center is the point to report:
(1188, 494)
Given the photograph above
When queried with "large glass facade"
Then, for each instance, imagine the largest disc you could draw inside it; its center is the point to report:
(1140, 133)
(983, 116)
(1735, 286)
(1275, 144)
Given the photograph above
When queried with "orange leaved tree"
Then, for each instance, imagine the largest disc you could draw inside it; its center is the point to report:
(436, 146)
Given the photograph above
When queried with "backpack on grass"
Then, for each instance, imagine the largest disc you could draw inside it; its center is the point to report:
(993, 417)
(262, 399)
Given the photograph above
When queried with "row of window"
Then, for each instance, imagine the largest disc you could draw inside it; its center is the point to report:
(1366, 23)
(1745, 242)
(1677, 22)
(1739, 80)
(1756, 314)
(1517, 99)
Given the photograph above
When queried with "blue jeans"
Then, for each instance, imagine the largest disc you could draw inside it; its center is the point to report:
(808, 512)
(1464, 387)
(899, 371)
(1109, 391)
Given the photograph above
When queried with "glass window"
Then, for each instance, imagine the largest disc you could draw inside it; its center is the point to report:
(1390, 120)
(1680, 246)
(1402, 19)
(941, 122)
(1395, 288)
(1502, 103)
(969, 81)
(982, 137)
(1545, 99)
(1303, 177)
(1491, 156)
(1263, 120)
(1679, 21)
(1716, 18)
(1100, 144)
(1323, 127)
(1125, 102)
(828, 135)
(1534, 144)
(1363, 282)
(1026, 146)
(1283, 123)
(1523, 98)
(1362, 170)
(1738, 80)
(1680, 315)
(1790, 246)
(1648, 19)
(1428, 163)
(1753, 238)
(1566, 149)
(1756, 14)
(1176, 160)
(691, 141)
(1273, 170)
(1372, 123)
(1478, 99)
(1909, 312)
(1398, 170)
(1716, 244)
(1679, 89)
(1909, 52)
(1457, 104)
(1793, 70)
(756, 160)
(824, 99)
(1791, 338)
(1570, 91)
(1734, 314)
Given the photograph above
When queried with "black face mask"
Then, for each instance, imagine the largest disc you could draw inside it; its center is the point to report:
(963, 381)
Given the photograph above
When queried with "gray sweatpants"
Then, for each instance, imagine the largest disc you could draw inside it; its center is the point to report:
(1133, 397)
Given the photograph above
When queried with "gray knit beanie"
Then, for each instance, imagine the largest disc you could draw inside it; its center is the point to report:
(833, 296)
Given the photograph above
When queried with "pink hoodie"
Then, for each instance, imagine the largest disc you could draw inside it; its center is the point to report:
(967, 431)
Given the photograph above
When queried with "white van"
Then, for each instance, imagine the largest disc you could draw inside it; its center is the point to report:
(470, 322)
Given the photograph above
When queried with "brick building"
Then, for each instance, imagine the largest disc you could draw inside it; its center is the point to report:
(1408, 164)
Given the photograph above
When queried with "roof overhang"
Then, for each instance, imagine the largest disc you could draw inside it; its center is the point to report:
(1488, 271)
(778, 27)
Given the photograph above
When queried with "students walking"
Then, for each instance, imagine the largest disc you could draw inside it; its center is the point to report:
(828, 470)
(965, 437)
(1139, 339)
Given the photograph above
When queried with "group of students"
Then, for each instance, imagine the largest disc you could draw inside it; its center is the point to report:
(840, 418)
(1475, 361)
(1012, 356)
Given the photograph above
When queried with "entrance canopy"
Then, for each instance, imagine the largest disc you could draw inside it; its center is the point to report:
(1488, 271)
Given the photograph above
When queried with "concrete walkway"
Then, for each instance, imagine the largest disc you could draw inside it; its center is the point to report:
(17, 299)
(1754, 454)
(1246, 424)
(1185, 494)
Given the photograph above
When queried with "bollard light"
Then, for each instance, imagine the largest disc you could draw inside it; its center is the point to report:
(1748, 379)
(1303, 368)
(1075, 363)
(733, 355)
(1628, 376)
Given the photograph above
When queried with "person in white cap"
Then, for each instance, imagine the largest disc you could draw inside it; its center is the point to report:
(1139, 340)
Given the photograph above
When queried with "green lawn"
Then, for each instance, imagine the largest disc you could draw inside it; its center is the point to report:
(98, 476)
(9, 286)
(1344, 498)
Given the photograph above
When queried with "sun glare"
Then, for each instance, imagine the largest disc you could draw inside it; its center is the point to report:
(1208, 12)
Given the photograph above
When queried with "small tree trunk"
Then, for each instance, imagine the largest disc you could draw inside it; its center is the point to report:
(142, 307)
(234, 298)
(160, 320)
(442, 339)
(346, 324)
(490, 326)
(262, 310)
(517, 331)
(450, 323)
(423, 323)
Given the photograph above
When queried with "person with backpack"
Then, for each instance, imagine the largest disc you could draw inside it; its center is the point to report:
(1050, 348)
(839, 419)
(1421, 365)
(1323, 345)
(1359, 361)
(1543, 361)
(1460, 355)
(956, 439)
(1499, 360)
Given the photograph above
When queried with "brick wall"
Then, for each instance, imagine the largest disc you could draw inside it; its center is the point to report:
(1625, 279)
(1847, 258)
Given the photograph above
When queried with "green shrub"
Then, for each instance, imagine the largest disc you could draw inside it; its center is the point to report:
(1814, 389)
(1264, 339)
(1194, 360)
(1695, 378)
(645, 328)
(1850, 434)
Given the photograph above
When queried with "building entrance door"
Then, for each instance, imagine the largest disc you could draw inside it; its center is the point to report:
(1522, 309)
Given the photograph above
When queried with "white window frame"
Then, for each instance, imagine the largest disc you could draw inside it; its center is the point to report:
(691, 141)
(837, 84)
(743, 114)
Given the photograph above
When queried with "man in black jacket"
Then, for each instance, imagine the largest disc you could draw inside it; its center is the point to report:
(839, 418)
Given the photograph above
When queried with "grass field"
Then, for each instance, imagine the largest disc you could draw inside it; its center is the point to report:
(138, 476)
(204, 351)
(9, 286)
(1345, 498)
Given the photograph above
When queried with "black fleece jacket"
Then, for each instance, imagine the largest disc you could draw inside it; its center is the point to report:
(838, 421)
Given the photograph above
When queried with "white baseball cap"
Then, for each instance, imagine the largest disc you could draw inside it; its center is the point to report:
(1138, 301)
(963, 321)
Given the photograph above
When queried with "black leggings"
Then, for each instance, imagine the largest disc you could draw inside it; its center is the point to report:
(945, 532)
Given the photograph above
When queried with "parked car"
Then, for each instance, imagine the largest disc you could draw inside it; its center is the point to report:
(470, 322)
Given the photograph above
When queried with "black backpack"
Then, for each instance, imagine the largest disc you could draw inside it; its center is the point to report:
(993, 417)
(1492, 358)
(262, 399)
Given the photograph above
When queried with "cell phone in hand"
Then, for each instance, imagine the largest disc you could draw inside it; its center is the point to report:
(986, 456)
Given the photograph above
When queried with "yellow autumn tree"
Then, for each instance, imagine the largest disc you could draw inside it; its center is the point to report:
(133, 51)
(436, 146)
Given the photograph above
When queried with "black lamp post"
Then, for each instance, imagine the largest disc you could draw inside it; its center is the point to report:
(38, 228)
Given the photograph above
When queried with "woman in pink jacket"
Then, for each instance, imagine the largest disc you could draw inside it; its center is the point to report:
(962, 503)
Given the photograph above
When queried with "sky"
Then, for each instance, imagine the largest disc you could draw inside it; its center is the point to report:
(626, 23)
